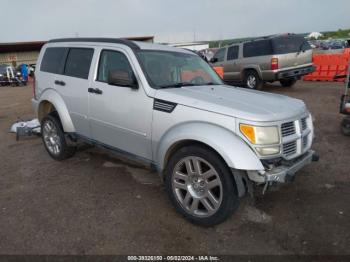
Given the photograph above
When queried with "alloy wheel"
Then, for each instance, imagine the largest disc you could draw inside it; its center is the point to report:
(251, 81)
(51, 137)
(197, 186)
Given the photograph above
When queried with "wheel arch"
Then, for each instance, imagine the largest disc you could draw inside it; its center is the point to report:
(255, 68)
(51, 101)
(222, 141)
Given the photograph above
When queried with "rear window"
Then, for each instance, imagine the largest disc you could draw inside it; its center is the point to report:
(289, 44)
(78, 62)
(53, 60)
(257, 48)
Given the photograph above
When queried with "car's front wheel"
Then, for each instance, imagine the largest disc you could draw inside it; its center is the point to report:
(54, 139)
(252, 80)
(201, 186)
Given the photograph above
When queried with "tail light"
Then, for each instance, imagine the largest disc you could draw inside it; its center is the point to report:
(34, 93)
(274, 63)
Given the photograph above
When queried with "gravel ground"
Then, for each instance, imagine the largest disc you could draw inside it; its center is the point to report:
(98, 203)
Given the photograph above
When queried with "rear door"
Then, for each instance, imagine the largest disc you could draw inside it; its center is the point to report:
(73, 86)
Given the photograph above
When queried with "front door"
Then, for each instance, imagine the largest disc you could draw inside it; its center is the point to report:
(120, 117)
(232, 71)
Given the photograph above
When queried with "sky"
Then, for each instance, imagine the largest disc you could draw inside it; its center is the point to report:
(171, 21)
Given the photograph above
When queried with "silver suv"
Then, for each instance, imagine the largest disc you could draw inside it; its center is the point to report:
(284, 58)
(166, 107)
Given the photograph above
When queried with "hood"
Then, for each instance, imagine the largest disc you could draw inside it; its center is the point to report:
(236, 102)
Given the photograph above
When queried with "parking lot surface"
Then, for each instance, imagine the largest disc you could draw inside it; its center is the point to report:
(99, 203)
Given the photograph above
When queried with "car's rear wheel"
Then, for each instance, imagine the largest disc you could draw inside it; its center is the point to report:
(252, 80)
(288, 82)
(201, 186)
(54, 139)
(345, 126)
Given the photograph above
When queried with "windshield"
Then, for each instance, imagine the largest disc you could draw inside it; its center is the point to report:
(289, 44)
(175, 69)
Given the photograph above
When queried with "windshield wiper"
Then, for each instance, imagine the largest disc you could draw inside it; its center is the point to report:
(177, 85)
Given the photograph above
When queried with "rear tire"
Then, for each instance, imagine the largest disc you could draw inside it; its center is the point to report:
(288, 82)
(345, 126)
(201, 186)
(54, 138)
(252, 80)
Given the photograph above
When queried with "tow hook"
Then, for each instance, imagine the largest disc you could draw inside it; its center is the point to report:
(315, 157)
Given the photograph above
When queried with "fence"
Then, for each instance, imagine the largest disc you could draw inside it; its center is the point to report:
(328, 66)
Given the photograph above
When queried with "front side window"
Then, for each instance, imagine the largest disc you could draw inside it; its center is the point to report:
(78, 62)
(220, 55)
(232, 52)
(53, 60)
(168, 69)
(112, 61)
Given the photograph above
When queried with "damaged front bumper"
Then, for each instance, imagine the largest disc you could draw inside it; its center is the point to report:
(285, 171)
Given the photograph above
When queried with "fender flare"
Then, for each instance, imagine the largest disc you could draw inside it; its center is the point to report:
(251, 67)
(235, 152)
(54, 98)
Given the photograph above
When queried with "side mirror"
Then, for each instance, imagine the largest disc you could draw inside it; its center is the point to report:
(213, 60)
(122, 78)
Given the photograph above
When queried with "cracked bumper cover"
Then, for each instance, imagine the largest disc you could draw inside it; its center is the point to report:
(284, 173)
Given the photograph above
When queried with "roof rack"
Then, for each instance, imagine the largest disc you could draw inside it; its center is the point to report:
(122, 41)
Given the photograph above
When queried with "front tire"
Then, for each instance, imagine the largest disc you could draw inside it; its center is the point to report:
(201, 186)
(288, 82)
(54, 139)
(252, 80)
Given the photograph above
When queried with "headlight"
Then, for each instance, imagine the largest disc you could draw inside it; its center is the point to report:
(260, 135)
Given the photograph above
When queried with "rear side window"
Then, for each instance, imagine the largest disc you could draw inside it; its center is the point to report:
(53, 60)
(220, 55)
(289, 44)
(257, 48)
(78, 62)
(112, 61)
(232, 52)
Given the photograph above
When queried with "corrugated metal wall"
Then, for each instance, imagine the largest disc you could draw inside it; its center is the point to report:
(19, 57)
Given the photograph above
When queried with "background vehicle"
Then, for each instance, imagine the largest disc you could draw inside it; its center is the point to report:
(284, 58)
(32, 69)
(168, 108)
(345, 104)
(10, 76)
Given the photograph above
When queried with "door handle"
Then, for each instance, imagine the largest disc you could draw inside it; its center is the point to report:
(60, 83)
(95, 91)
(98, 91)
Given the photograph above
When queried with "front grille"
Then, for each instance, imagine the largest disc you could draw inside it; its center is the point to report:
(290, 148)
(303, 124)
(288, 129)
